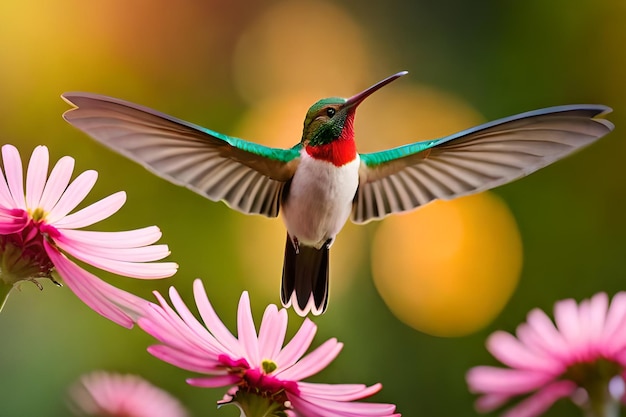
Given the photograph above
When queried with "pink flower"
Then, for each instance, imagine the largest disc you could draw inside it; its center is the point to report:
(582, 358)
(37, 233)
(252, 364)
(102, 394)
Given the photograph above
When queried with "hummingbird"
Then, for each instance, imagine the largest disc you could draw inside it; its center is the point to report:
(323, 180)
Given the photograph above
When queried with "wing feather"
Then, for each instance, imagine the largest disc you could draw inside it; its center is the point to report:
(247, 176)
(477, 159)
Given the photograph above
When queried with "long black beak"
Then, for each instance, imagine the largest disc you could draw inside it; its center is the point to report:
(356, 99)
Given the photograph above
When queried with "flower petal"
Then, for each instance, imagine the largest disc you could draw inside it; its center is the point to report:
(73, 196)
(126, 239)
(12, 220)
(337, 392)
(139, 269)
(94, 213)
(490, 402)
(297, 345)
(214, 381)
(492, 380)
(213, 322)
(126, 254)
(594, 321)
(508, 350)
(567, 320)
(329, 408)
(15, 179)
(6, 199)
(115, 304)
(540, 334)
(186, 360)
(195, 334)
(246, 331)
(272, 331)
(538, 403)
(313, 362)
(36, 176)
(614, 337)
(57, 183)
(166, 326)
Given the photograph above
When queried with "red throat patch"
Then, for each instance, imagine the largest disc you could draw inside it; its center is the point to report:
(340, 151)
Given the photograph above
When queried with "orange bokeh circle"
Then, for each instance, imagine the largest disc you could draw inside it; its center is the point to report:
(448, 268)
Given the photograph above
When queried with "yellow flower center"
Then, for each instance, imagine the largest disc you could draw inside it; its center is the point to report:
(268, 366)
(38, 214)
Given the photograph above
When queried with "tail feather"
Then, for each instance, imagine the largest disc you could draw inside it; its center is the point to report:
(305, 279)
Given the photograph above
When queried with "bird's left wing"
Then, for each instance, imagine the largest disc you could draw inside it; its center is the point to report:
(477, 159)
(247, 176)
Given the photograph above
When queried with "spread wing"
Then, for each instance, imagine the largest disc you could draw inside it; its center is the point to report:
(247, 176)
(477, 159)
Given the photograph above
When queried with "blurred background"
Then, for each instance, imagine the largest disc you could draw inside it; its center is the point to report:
(412, 297)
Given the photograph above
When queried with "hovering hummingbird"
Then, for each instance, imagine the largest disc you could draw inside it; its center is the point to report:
(322, 181)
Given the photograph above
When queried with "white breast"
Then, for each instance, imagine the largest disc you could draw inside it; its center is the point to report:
(320, 199)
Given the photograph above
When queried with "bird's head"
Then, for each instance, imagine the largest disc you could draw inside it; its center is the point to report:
(332, 118)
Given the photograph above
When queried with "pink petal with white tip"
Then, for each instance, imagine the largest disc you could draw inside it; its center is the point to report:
(136, 269)
(214, 381)
(298, 344)
(128, 254)
(57, 182)
(213, 322)
(246, 331)
(338, 392)
(126, 239)
(489, 379)
(326, 408)
(165, 326)
(186, 360)
(74, 194)
(272, 331)
(36, 176)
(568, 321)
(112, 303)
(508, 350)
(490, 402)
(542, 334)
(94, 213)
(313, 362)
(14, 175)
(538, 403)
(193, 332)
(614, 338)
(598, 309)
(6, 199)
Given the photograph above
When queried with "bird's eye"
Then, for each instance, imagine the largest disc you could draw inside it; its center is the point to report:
(330, 112)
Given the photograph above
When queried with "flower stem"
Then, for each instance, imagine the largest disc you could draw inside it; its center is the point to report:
(4, 294)
(601, 402)
(609, 409)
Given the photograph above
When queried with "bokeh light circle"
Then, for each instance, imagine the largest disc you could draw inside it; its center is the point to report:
(305, 44)
(448, 268)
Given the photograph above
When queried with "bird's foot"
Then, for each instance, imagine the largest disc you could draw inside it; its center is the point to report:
(329, 243)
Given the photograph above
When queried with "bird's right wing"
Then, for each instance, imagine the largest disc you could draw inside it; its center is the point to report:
(476, 159)
(247, 176)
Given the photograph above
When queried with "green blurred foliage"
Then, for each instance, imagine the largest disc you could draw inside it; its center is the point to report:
(502, 57)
